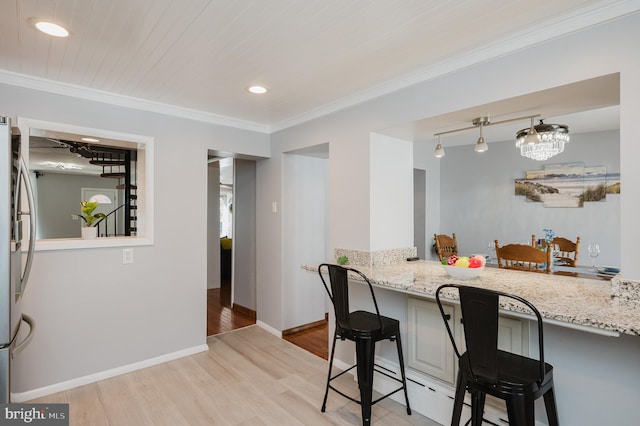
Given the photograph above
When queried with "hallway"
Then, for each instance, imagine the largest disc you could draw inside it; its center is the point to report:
(221, 319)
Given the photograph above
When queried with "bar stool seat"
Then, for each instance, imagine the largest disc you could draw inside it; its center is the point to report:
(365, 329)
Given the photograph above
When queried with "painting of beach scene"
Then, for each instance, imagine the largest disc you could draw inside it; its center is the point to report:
(568, 184)
(595, 183)
(567, 180)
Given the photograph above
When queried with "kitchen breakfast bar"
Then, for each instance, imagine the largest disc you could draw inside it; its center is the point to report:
(592, 338)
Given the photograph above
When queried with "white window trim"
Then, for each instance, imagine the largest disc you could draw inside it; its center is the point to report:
(145, 147)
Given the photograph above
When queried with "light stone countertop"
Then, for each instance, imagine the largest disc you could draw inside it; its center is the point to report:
(567, 301)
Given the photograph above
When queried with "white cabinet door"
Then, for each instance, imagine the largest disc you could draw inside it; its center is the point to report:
(429, 347)
(513, 335)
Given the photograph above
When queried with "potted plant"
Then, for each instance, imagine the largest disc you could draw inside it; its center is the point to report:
(90, 219)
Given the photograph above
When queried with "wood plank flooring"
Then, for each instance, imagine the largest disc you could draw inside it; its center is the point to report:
(247, 377)
(221, 319)
(314, 340)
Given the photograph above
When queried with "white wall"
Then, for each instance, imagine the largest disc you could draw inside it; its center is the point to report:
(391, 188)
(304, 213)
(93, 312)
(480, 205)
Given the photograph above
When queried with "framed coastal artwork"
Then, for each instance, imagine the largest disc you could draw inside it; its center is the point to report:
(568, 185)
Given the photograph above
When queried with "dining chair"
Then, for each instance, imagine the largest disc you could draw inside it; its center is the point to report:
(365, 329)
(567, 250)
(523, 257)
(486, 370)
(445, 245)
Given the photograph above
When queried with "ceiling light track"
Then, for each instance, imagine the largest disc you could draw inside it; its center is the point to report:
(539, 142)
(485, 121)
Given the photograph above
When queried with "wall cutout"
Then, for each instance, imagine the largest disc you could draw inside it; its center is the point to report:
(568, 184)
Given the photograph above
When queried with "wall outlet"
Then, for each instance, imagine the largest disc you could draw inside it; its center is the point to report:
(127, 255)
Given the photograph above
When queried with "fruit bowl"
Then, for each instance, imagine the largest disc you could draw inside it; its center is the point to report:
(463, 273)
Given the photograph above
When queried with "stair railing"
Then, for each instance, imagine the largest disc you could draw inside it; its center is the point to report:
(105, 221)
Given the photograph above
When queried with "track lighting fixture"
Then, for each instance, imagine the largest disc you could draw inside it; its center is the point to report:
(439, 152)
(536, 142)
(481, 145)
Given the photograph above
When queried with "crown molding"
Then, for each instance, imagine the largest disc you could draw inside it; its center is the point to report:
(594, 15)
(76, 91)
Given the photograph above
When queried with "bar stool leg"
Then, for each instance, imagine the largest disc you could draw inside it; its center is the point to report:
(550, 405)
(326, 391)
(404, 378)
(458, 400)
(365, 352)
(520, 410)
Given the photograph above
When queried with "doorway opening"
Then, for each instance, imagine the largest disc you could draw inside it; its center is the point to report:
(231, 281)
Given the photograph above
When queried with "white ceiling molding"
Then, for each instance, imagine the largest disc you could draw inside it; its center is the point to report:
(593, 13)
(567, 24)
(65, 89)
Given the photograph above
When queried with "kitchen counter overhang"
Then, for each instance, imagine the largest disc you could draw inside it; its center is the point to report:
(581, 303)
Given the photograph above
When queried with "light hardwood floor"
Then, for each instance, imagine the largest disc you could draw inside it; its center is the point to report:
(247, 377)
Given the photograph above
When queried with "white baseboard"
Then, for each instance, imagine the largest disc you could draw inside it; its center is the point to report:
(268, 328)
(91, 378)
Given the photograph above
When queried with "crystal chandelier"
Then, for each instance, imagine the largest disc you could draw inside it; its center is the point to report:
(543, 141)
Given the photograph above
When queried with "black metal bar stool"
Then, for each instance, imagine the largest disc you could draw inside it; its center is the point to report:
(365, 329)
(485, 369)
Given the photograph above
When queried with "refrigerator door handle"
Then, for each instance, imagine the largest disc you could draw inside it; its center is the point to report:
(23, 174)
(32, 327)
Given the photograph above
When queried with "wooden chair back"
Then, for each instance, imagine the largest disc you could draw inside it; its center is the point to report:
(523, 257)
(567, 250)
(445, 245)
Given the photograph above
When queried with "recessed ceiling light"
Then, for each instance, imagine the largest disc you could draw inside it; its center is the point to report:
(90, 140)
(50, 28)
(258, 90)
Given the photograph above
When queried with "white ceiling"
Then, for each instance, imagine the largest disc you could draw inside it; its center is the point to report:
(195, 58)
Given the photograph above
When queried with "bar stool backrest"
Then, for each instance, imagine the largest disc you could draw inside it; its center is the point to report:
(339, 292)
(480, 309)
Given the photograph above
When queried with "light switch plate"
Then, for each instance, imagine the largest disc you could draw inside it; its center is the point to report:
(127, 255)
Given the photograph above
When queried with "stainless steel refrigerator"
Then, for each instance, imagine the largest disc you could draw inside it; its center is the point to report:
(17, 242)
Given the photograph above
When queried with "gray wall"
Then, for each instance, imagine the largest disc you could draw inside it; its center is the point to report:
(420, 213)
(601, 50)
(96, 314)
(479, 205)
(58, 197)
(305, 215)
(213, 225)
(244, 233)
